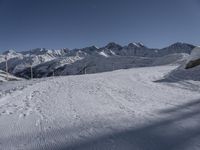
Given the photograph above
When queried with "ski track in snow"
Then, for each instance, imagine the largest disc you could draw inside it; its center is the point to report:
(122, 109)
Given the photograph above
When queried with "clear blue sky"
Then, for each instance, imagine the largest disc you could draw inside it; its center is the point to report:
(26, 24)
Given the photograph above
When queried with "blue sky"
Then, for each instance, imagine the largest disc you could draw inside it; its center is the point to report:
(27, 24)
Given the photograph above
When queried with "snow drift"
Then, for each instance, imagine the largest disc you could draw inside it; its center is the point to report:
(194, 59)
(190, 70)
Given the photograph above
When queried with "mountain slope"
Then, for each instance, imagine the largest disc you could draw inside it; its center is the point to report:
(188, 70)
(18, 61)
(110, 57)
(194, 59)
(4, 77)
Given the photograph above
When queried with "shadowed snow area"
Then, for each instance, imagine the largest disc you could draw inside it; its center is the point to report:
(119, 110)
(189, 70)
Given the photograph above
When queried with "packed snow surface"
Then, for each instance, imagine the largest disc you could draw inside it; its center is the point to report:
(120, 110)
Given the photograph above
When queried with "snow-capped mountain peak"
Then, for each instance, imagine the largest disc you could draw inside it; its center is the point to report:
(112, 56)
(10, 52)
(136, 45)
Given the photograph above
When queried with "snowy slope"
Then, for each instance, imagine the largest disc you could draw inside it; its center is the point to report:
(195, 54)
(96, 64)
(189, 70)
(119, 110)
(89, 64)
(3, 77)
(194, 59)
(18, 61)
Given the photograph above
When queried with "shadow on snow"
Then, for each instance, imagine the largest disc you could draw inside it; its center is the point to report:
(179, 130)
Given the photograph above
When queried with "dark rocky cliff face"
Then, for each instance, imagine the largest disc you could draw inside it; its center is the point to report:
(192, 64)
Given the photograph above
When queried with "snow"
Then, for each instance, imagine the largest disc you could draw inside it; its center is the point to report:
(19, 62)
(177, 58)
(119, 110)
(103, 54)
(138, 44)
(4, 76)
(195, 54)
(113, 53)
(189, 70)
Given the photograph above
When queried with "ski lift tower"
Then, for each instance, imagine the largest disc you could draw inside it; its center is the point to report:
(31, 67)
(6, 58)
(31, 70)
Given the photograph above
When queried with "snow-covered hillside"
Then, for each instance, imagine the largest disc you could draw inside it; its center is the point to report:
(188, 70)
(118, 110)
(195, 54)
(18, 61)
(7, 77)
(194, 59)
(113, 56)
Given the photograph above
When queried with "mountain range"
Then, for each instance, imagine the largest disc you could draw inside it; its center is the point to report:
(49, 62)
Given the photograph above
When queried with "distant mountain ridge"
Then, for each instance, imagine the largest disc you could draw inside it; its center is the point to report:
(46, 62)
